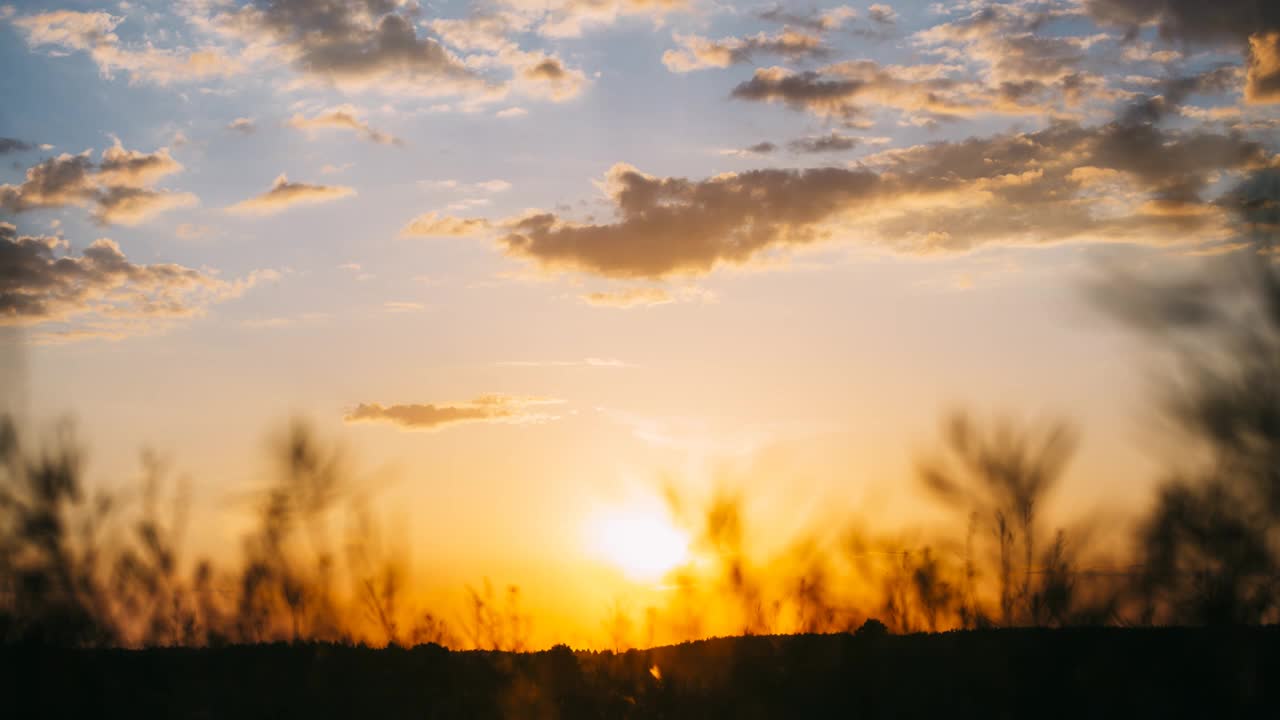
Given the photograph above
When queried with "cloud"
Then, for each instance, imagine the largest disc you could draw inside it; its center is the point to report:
(100, 292)
(829, 19)
(631, 297)
(669, 226)
(1227, 21)
(547, 76)
(571, 18)
(927, 92)
(55, 182)
(94, 33)
(763, 147)
(511, 112)
(1174, 91)
(883, 14)
(1250, 25)
(432, 224)
(361, 45)
(354, 44)
(284, 194)
(125, 205)
(831, 142)
(481, 31)
(343, 117)
(242, 125)
(1016, 64)
(488, 35)
(1006, 41)
(13, 145)
(131, 168)
(646, 297)
(697, 53)
(484, 186)
(1115, 182)
(403, 306)
(493, 408)
(118, 189)
(1263, 79)
(845, 91)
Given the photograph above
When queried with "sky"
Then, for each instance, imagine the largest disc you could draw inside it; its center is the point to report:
(532, 261)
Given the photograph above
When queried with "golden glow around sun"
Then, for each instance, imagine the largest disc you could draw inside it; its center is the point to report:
(641, 542)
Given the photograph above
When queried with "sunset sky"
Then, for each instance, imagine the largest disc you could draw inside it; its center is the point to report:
(531, 261)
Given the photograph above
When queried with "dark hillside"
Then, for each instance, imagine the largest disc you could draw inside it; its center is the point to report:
(1091, 673)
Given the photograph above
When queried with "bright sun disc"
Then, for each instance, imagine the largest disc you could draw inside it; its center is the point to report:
(644, 546)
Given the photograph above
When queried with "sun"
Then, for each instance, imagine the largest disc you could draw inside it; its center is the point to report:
(642, 543)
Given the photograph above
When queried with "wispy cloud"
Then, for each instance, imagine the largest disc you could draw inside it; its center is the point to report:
(284, 194)
(342, 117)
(493, 408)
(646, 297)
(433, 224)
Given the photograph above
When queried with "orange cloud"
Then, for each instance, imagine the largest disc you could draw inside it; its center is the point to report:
(343, 117)
(494, 408)
(1262, 80)
(696, 52)
(433, 224)
(284, 194)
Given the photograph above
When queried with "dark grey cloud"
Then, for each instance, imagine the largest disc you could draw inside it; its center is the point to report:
(100, 290)
(118, 189)
(1197, 21)
(848, 90)
(1253, 26)
(1175, 91)
(802, 91)
(358, 42)
(1116, 182)
(831, 142)
(674, 225)
(55, 182)
(13, 145)
(823, 21)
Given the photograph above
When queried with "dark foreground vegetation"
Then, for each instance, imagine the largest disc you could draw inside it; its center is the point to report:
(1077, 673)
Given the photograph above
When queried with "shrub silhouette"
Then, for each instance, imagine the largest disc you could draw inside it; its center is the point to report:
(1208, 549)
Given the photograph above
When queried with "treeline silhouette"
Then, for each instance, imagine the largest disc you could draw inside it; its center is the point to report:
(315, 566)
